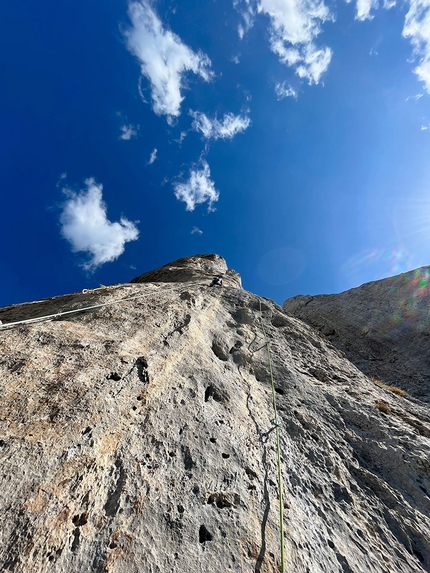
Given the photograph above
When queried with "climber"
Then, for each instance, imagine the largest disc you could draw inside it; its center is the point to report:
(216, 281)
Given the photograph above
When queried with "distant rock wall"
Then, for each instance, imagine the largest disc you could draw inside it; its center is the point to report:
(139, 437)
(383, 327)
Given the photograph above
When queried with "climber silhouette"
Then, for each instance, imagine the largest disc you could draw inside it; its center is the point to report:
(216, 281)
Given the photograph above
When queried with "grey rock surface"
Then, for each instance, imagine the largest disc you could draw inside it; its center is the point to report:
(383, 327)
(139, 437)
(199, 269)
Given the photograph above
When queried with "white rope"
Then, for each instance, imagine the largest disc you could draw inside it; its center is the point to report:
(58, 314)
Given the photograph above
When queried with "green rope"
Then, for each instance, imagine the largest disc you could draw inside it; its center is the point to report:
(278, 447)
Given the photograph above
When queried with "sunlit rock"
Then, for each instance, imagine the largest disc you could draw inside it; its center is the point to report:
(138, 436)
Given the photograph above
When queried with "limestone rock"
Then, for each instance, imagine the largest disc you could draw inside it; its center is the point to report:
(383, 327)
(199, 269)
(138, 437)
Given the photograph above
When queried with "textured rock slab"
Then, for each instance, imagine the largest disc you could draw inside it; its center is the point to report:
(139, 437)
(199, 269)
(383, 327)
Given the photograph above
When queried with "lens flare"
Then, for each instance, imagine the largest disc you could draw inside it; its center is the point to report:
(410, 290)
(373, 264)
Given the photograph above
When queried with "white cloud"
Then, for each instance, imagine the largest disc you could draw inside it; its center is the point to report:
(248, 14)
(198, 189)
(128, 132)
(417, 29)
(416, 97)
(196, 230)
(85, 226)
(281, 91)
(182, 136)
(424, 127)
(295, 21)
(163, 58)
(153, 156)
(226, 128)
(309, 61)
(363, 9)
(294, 26)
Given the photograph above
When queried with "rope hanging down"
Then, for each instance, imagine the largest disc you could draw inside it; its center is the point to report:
(278, 448)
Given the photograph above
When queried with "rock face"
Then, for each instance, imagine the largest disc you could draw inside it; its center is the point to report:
(383, 327)
(199, 269)
(138, 436)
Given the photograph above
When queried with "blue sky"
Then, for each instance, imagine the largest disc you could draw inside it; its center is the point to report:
(290, 136)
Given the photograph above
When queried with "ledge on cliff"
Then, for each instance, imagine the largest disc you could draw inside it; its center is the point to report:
(195, 269)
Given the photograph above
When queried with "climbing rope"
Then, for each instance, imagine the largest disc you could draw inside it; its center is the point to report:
(58, 314)
(66, 312)
(278, 447)
(85, 291)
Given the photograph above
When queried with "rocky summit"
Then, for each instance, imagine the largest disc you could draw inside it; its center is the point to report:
(137, 435)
